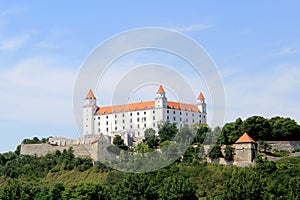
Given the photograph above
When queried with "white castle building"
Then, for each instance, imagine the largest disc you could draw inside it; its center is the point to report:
(131, 120)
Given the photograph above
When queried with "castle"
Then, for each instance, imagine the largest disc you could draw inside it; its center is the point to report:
(131, 120)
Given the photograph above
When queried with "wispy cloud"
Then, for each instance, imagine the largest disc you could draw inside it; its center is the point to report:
(37, 89)
(12, 11)
(193, 28)
(287, 50)
(14, 42)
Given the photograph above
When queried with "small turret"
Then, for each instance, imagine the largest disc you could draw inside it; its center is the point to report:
(89, 109)
(201, 103)
(160, 98)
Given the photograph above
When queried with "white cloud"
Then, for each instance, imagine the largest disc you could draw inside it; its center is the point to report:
(195, 27)
(14, 43)
(287, 50)
(274, 92)
(37, 89)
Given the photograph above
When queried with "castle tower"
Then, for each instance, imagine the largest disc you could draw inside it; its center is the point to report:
(89, 110)
(201, 103)
(245, 150)
(160, 98)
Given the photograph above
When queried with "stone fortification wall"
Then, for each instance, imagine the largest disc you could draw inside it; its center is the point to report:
(284, 145)
(43, 149)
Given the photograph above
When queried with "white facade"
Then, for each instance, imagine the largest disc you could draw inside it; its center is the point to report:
(131, 120)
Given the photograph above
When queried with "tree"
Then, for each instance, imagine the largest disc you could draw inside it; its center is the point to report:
(257, 127)
(150, 138)
(201, 131)
(177, 187)
(167, 132)
(142, 148)
(118, 140)
(185, 135)
(215, 152)
(284, 129)
(263, 145)
(229, 153)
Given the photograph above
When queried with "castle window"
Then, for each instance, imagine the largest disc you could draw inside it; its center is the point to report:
(174, 112)
(153, 124)
(167, 117)
(167, 111)
(131, 126)
(123, 115)
(144, 113)
(193, 121)
(98, 123)
(116, 128)
(153, 117)
(99, 118)
(180, 119)
(186, 114)
(123, 121)
(138, 113)
(106, 117)
(200, 121)
(138, 126)
(180, 113)
(98, 130)
(123, 127)
(106, 122)
(138, 119)
(115, 121)
(193, 114)
(200, 116)
(106, 129)
(145, 125)
(115, 116)
(153, 111)
(204, 116)
(174, 118)
(130, 114)
(130, 120)
(144, 119)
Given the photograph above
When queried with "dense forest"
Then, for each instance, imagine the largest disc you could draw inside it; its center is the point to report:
(61, 175)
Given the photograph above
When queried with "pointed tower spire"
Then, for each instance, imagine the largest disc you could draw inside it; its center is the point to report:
(90, 95)
(160, 90)
(201, 96)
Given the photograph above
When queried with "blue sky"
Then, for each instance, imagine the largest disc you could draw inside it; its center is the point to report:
(254, 44)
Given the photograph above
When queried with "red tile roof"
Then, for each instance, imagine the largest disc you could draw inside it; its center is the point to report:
(245, 138)
(200, 96)
(160, 90)
(144, 106)
(90, 95)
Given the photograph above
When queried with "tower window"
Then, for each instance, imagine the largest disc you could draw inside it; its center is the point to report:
(174, 112)
(99, 118)
(123, 115)
(106, 116)
(144, 113)
(115, 116)
(106, 129)
(98, 123)
(138, 113)
(130, 114)
(106, 122)
(153, 111)
(115, 121)
(167, 111)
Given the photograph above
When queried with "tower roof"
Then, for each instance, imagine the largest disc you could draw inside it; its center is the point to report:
(245, 138)
(200, 96)
(160, 90)
(90, 95)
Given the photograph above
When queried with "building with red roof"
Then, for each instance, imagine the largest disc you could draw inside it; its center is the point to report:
(132, 119)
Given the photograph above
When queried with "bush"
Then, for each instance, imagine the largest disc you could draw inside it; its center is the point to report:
(281, 153)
